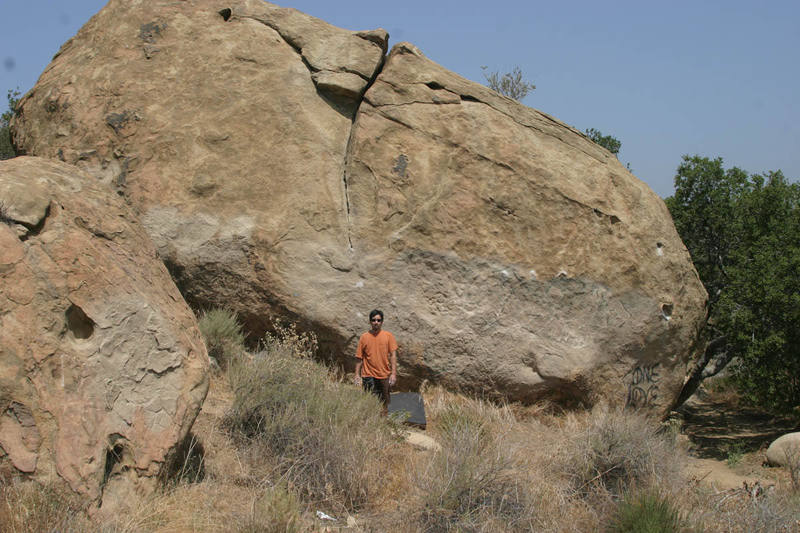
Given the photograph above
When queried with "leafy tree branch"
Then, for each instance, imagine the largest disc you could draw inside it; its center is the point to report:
(612, 144)
(6, 147)
(743, 232)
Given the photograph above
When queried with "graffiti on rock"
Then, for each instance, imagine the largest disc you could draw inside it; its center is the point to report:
(642, 386)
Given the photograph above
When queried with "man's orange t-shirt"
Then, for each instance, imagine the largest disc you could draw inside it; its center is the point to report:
(374, 350)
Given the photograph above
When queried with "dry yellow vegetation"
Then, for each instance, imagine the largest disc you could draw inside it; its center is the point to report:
(281, 437)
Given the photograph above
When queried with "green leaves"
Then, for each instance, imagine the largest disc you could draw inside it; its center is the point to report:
(743, 232)
(612, 144)
(6, 147)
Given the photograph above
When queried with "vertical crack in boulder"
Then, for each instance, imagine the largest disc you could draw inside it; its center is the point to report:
(349, 148)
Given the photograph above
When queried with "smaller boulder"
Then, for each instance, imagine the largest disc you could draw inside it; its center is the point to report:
(102, 366)
(785, 450)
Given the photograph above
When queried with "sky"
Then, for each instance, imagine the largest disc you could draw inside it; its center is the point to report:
(713, 78)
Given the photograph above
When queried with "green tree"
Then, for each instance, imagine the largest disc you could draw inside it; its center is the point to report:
(612, 144)
(6, 147)
(743, 232)
(509, 84)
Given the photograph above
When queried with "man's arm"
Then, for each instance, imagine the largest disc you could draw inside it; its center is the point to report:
(359, 363)
(393, 375)
(357, 378)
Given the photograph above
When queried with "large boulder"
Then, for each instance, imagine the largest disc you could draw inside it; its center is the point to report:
(511, 254)
(102, 367)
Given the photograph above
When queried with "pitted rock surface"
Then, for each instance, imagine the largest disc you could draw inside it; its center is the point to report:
(102, 367)
(511, 254)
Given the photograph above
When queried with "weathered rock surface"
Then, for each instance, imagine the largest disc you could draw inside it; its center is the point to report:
(785, 450)
(102, 368)
(511, 254)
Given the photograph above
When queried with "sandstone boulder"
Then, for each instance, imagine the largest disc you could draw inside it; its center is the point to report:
(785, 450)
(511, 254)
(102, 367)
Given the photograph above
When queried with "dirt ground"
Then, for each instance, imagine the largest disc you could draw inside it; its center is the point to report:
(728, 441)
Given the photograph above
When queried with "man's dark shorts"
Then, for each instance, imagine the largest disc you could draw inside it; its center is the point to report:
(378, 387)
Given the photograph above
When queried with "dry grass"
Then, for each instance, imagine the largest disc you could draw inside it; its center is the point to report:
(288, 439)
(275, 511)
(742, 510)
(473, 483)
(326, 439)
(207, 506)
(30, 507)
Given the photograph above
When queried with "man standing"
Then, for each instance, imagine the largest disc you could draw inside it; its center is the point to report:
(376, 365)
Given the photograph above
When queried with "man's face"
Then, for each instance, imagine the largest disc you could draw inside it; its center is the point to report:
(376, 322)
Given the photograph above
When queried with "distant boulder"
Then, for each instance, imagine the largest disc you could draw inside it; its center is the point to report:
(784, 450)
(102, 367)
(286, 167)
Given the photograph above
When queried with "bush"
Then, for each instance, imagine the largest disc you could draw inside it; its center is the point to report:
(472, 483)
(610, 143)
(616, 451)
(6, 145)
(735, 453)
(646, 512)
(223, 335)
(509, 84)
(328, 438)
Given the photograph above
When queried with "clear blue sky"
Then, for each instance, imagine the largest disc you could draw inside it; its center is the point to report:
(715, 78)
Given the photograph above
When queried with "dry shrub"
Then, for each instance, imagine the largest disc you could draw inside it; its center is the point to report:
(326, 438)
(792, 453)
(28, 506)
(223, 335)
(611, 451)
(275, 511)
(742, 511)
(473, 483)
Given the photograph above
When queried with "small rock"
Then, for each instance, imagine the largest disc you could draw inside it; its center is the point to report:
(422, 441)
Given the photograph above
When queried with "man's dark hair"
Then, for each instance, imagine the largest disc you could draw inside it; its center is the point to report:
(375, 312)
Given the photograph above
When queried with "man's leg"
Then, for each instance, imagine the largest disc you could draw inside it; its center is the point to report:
(384, 391)
(369, 385)
(380, 388)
